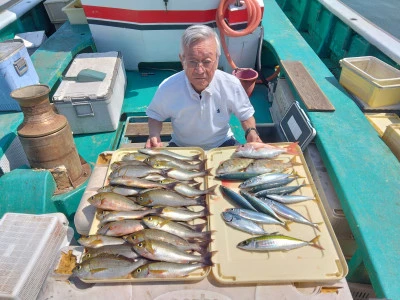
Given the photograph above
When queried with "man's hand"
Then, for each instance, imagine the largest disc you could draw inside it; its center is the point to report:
(253, 137)
(154, 141)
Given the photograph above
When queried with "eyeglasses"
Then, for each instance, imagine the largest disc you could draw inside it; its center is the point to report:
(193, 64)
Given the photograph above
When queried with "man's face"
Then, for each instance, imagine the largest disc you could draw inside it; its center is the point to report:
(200, 61)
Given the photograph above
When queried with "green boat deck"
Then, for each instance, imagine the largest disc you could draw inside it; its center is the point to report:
(364, 172)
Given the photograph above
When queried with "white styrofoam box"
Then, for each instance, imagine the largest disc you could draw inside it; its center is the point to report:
(29, 245)
(14, 156)
(327, 193)
(32, 40)
(16, 70)
(93, 106)
(54, 10)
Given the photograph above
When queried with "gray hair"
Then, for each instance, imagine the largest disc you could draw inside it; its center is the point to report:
(199, 33)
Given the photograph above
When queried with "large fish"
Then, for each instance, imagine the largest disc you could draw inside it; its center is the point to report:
(161, 235)
(236, 198)
(159, 197)
(139, 183)
(118, 164)
(182, 214)
(289, 213)
(120, 228)
(260, 205)
(98, 240)
(290, 199)
(262, 179)
(124, 191)
(185, 174)
(154, 151)
(276, 243)
(134, 171)
(237, 176)
(272, 184)
(192, 191)
(124, 250)
(162, 251)
(134, 156)
(256, 216)
(242, 224)
(233, 165)
(167, 162)
(176, 228)
(261, 150)
(280, 190)
(113, 201)
(113, 216)
(106, 267)
(166, 270)
(271, 165)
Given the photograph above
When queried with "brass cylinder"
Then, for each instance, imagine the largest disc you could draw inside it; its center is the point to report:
(46, 136)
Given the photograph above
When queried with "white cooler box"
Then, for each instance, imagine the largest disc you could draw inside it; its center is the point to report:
(16, 70)
(92, 106)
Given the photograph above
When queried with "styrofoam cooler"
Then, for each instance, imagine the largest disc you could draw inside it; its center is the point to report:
(16, 71)
(93, 106)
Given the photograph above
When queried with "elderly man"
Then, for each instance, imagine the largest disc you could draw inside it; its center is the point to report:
(200, 99)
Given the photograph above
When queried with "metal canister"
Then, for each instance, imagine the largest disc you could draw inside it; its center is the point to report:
(45, 135)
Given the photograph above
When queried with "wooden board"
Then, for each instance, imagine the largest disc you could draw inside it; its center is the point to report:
(306, 87)
(142, 129)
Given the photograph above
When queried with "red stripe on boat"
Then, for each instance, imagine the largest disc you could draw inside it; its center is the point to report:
(150, 16)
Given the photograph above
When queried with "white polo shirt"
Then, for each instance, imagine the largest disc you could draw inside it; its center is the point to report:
(200, 121)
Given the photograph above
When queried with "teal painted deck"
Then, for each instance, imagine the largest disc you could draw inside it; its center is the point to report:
(364, 172)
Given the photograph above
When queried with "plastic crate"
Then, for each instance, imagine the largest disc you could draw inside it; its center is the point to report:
(371, 80)
(29, 245)
(381, 120)
(54, 10)
(361, 291)
(391, 136)
(32, 40)
(75, 13)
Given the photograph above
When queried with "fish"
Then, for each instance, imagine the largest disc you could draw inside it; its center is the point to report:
(257, 217)
(242, 224)
(161, 235)
(134, 171)
(124, 250)
(125, 191)
(118, 164)
(236, 176)
(260, 205)
(168, 162)
(261, 150)
(276, 243)
(120, 228)
(262, 179)
(156, 222)
(281, 190)
(126, 215)
(270, 185)
(139, 183)
(290, 199)
(162, 251)
(236, 198)
(185, 174)
(166, 270)
(182, 214)
(170, 180)
(289, 213)
(192, 191)
(159, 197)
(154, 151)
(98, 240)
(267, 165)
(233, 165)
(107, 267)
(113, 201)
(134, 156)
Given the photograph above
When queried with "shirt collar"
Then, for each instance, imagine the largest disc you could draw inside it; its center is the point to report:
(195, 94)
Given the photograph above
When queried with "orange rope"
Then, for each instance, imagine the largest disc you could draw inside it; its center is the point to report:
(253, 20)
